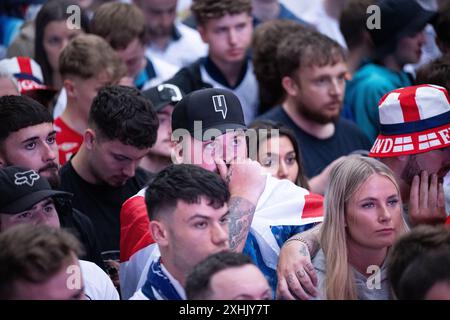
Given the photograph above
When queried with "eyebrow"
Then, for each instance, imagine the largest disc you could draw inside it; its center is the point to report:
(47, 202)
(53, 133)
(198, 216)
(201, 216)
(30, 139)
(375, 199)
(120, 155)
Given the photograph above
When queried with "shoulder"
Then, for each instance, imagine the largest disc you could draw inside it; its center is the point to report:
(348, 127)
(98, 285)
(276, 113)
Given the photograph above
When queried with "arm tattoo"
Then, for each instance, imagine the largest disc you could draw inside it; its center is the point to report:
(241, 216)
(304, 251)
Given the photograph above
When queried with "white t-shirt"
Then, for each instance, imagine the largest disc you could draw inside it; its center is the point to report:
(98, 285)
(183, 51)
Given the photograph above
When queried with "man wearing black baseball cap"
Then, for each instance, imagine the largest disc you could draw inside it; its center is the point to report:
(208, 124)
(163, 98)
(208, 128)
(27, 198)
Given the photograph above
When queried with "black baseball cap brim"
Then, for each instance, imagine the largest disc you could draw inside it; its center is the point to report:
(31, 199)
(222, 127)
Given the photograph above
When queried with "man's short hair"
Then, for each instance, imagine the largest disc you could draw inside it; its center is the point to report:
(352, 21)
(19, 112)
(435, 72)
(33, 253)
(266, 38)
(187, 183)
(119, 23)
(205, 10)
(314, 49)
(124, 114)
(198, 281)
(87, 56)
(421, 240)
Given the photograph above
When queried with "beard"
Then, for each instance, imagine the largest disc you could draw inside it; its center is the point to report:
(51, 173)
(316, 116)
(158, 32)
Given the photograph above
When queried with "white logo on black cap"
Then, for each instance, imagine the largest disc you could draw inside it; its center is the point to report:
(28, 177)
(220, 105)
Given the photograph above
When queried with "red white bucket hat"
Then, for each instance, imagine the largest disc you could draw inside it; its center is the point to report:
(27, 72)
(413, 120)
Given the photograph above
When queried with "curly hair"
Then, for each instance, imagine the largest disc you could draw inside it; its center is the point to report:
(123, 113)
(204, 10)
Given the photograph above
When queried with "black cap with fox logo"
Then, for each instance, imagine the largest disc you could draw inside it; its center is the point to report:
(212, 108)
(21, 189)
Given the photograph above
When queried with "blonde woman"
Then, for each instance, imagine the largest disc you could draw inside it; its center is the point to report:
(363, 219)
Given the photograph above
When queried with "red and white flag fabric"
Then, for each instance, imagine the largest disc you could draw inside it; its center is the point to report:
(282, 203)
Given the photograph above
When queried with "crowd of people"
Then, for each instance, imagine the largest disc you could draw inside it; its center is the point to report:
(232, 150)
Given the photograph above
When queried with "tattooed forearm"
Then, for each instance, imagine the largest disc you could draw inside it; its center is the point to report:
(241, 216)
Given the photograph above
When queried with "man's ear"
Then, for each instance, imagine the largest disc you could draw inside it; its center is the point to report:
(70, 88)
(201, 30)
(178, 153)
(289, 85)
(89, 138)
(159, 233)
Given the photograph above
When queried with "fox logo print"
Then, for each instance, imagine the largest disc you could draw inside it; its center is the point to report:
(28, 177)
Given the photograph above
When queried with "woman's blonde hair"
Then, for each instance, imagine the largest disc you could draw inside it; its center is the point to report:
(345, 179)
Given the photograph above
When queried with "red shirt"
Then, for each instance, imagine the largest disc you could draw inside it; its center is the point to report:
(68, 140)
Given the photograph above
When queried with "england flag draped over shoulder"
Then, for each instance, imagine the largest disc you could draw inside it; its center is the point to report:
(282, 210)
(282, 205)
(137, 247)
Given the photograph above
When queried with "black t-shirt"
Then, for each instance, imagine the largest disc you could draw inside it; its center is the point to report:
(102, 203)
(80, 226)
(318, 153)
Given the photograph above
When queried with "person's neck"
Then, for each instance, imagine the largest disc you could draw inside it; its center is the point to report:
(230, 70)
(355, 57)
(161, 42)
(265, 10)
(361, 257)
(57, 81)
(179, 275)
(391, 62)
(81, 165)
(73, 118)
(318, 130)
(155, 163)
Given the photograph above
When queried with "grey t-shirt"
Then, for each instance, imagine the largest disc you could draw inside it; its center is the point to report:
(367, 286)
